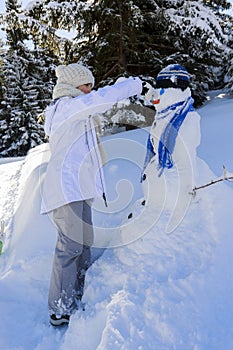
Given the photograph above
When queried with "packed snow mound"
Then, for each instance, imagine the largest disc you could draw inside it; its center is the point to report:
(28, 225)
(159, 291)
(137, 294)
(154, 292)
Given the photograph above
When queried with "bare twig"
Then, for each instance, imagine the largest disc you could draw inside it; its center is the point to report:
(225, 177)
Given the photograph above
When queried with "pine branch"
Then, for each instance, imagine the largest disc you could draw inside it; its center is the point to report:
(225, 177)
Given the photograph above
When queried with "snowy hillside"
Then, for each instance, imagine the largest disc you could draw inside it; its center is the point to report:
(159, 292)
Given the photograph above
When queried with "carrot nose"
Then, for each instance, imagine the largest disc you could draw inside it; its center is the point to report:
(155, 102)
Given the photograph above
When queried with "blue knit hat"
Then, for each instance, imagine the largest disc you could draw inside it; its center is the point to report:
(174, 75)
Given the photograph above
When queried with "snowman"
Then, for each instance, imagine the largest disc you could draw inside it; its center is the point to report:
(170, 169)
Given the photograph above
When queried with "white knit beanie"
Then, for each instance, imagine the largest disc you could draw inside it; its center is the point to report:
(74, 74)
(70, 77)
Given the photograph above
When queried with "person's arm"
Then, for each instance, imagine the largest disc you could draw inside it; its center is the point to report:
(79, 108)
(110, 94)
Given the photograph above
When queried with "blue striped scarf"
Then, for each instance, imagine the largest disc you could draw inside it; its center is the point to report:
(168, 138)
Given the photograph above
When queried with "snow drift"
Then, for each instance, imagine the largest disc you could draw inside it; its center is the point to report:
(159, 291)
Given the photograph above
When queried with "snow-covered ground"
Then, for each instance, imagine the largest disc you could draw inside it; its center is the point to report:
(159, 292)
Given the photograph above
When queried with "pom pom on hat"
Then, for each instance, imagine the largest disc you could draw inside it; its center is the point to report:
(174, 75)
(74, 74)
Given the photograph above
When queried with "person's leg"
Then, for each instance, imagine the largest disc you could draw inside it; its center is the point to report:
(83, 263)
(64, 273)
(71, 257)
(67, 253)
(85, 259)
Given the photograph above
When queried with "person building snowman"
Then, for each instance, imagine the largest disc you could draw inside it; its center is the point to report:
(74, 176)
(170, 165)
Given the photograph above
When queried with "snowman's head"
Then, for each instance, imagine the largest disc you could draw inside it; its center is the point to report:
(174, 76)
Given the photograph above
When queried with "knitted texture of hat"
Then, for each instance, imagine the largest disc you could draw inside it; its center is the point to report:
(173, 76)
(173, 72)
(74, 74)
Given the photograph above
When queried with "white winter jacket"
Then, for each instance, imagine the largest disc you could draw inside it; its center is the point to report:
(74, 171)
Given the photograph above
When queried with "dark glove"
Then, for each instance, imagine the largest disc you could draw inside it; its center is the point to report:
(147, 91)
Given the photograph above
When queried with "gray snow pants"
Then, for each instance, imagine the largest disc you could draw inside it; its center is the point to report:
(71, 257)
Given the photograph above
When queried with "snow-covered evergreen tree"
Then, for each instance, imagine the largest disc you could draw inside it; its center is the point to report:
(25, 93)
(217, 5)
(41, 20)
(229, 64)
(226, 21)
(2, 51)
(193, 31)
(137, 37)
(123, 43)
